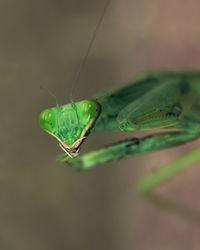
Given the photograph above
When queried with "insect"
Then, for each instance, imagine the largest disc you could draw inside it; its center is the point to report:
(153, 100)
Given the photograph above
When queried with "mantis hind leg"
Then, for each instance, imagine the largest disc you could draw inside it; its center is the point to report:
(146, 186)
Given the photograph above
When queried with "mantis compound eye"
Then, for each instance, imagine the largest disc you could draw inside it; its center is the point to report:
(47, 120)
(89, 109)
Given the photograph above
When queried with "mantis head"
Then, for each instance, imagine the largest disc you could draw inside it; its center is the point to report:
(70, 124)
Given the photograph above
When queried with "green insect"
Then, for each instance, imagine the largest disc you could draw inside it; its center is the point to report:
(153, 100)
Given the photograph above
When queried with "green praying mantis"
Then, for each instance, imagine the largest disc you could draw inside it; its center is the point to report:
(168, 100)
(153, 100)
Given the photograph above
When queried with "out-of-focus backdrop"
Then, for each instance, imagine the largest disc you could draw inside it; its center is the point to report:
(45, 205)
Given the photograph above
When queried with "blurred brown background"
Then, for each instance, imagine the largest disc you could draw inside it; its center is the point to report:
(45, 205)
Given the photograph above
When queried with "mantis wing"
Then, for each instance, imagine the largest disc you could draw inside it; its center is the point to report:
(160, 107)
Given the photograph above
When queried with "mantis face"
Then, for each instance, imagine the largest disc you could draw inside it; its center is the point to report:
(70, 124)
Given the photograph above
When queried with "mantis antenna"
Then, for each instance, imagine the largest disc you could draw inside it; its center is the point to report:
(84, 60)
(50, 93)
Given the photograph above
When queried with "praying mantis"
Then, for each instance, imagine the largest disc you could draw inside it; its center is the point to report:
(153, 100)
(168, 100)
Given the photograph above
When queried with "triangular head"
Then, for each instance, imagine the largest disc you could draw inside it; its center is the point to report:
(70, 124)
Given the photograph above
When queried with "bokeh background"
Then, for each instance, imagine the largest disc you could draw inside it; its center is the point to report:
(45, 205)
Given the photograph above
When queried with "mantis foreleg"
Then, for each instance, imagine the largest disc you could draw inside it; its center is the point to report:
(131, 147)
